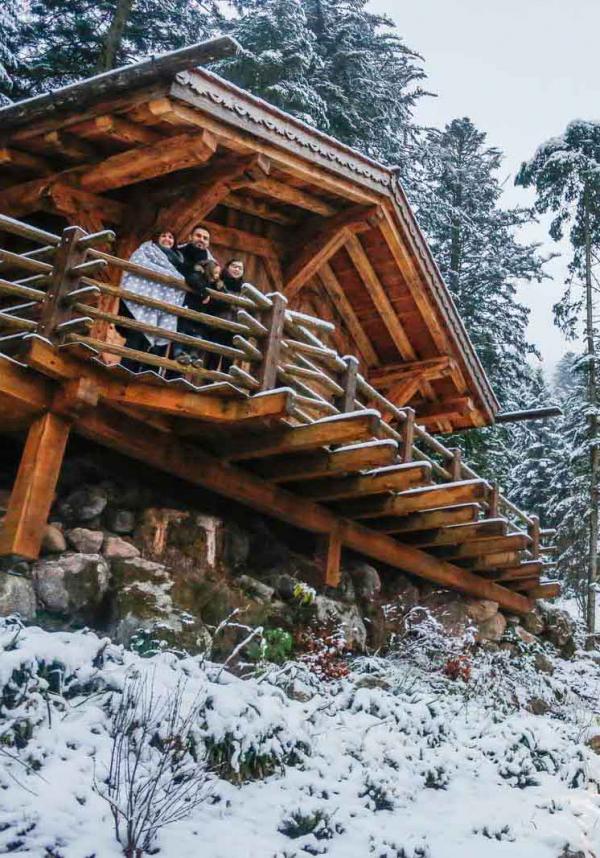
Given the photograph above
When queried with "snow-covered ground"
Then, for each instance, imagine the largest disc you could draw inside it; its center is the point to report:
(394, 761)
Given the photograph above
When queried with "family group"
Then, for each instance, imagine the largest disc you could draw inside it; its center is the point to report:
(202, 274)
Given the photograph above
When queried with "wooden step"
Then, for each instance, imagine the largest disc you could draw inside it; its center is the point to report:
(394, 478)
(483, 547)
(345, 429)
(345, 460)
(414, 500)
(418, 522)
(459, 534)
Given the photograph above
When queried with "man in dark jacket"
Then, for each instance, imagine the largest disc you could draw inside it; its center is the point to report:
(195, 253)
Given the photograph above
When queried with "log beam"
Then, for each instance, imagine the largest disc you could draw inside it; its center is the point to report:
(320, 240)
(430, 369)
(188, 209)
(147, 162)
(343, 306)
(33, 492)
(380, 298)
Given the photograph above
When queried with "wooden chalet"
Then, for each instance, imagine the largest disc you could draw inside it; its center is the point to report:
(347, 349)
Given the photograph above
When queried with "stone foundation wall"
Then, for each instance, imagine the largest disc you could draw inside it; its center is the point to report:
(133, 561)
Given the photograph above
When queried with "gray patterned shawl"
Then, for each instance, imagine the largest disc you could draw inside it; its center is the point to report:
(151, 256)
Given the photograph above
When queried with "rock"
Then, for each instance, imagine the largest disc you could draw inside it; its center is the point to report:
(366, 580)
(402, 592)
(53, 540)
(74, 585)
(537, 706)
(592, 642)
(511, 648)
(83, 505)
(533, 623)
(489, 646)
(492, 629)
(236, 547)
(370, 681)
(449, 610)
(17, 596)
(524, 636)
(256, 588)
(347, 617)
(594, 743)
(187, 541)
(115, 548)
(559, 625)
(84, 540)
(144, 610)
(284, 586)
(543, 664)
(120, 520)
(481, 610)
(568, 853)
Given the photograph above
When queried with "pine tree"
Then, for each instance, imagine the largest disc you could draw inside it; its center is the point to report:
(565, 172)
(67, 40)
(334, 64)
(474, 242)
(11, 12)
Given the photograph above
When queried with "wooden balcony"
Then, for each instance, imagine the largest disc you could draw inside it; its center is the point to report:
(292, 429)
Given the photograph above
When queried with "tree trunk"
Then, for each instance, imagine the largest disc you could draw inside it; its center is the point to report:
(114, 36)
(592, 424)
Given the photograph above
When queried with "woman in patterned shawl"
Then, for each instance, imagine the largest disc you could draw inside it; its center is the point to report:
(159, 255)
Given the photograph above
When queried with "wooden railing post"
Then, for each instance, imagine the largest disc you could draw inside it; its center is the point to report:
(535, 535)
(492, 511)
(456, 464)
(55, 311)
(274, 321)
(348, 381)
(407, 430)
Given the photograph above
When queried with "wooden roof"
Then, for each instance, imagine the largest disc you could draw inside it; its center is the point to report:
(165, 143)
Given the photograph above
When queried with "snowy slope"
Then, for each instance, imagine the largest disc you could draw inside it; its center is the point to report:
(394, 761)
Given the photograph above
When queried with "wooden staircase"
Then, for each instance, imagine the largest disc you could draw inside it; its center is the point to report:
(292, 429)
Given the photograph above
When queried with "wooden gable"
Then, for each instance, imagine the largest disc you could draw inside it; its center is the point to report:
(168, 144)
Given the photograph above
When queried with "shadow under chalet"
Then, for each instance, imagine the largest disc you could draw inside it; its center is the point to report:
(347, 348)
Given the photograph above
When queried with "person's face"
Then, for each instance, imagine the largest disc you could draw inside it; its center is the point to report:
(216, 273)
(236, 269)
(201, 238)
(166, 239)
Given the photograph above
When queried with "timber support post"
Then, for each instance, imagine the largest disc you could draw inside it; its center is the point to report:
(348, 381)
(328, 555)
(33, 492)
(274, 321)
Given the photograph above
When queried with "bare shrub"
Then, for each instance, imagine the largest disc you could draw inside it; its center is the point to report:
(156, 775)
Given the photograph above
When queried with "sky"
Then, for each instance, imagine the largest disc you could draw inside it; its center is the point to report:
(521, 70)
